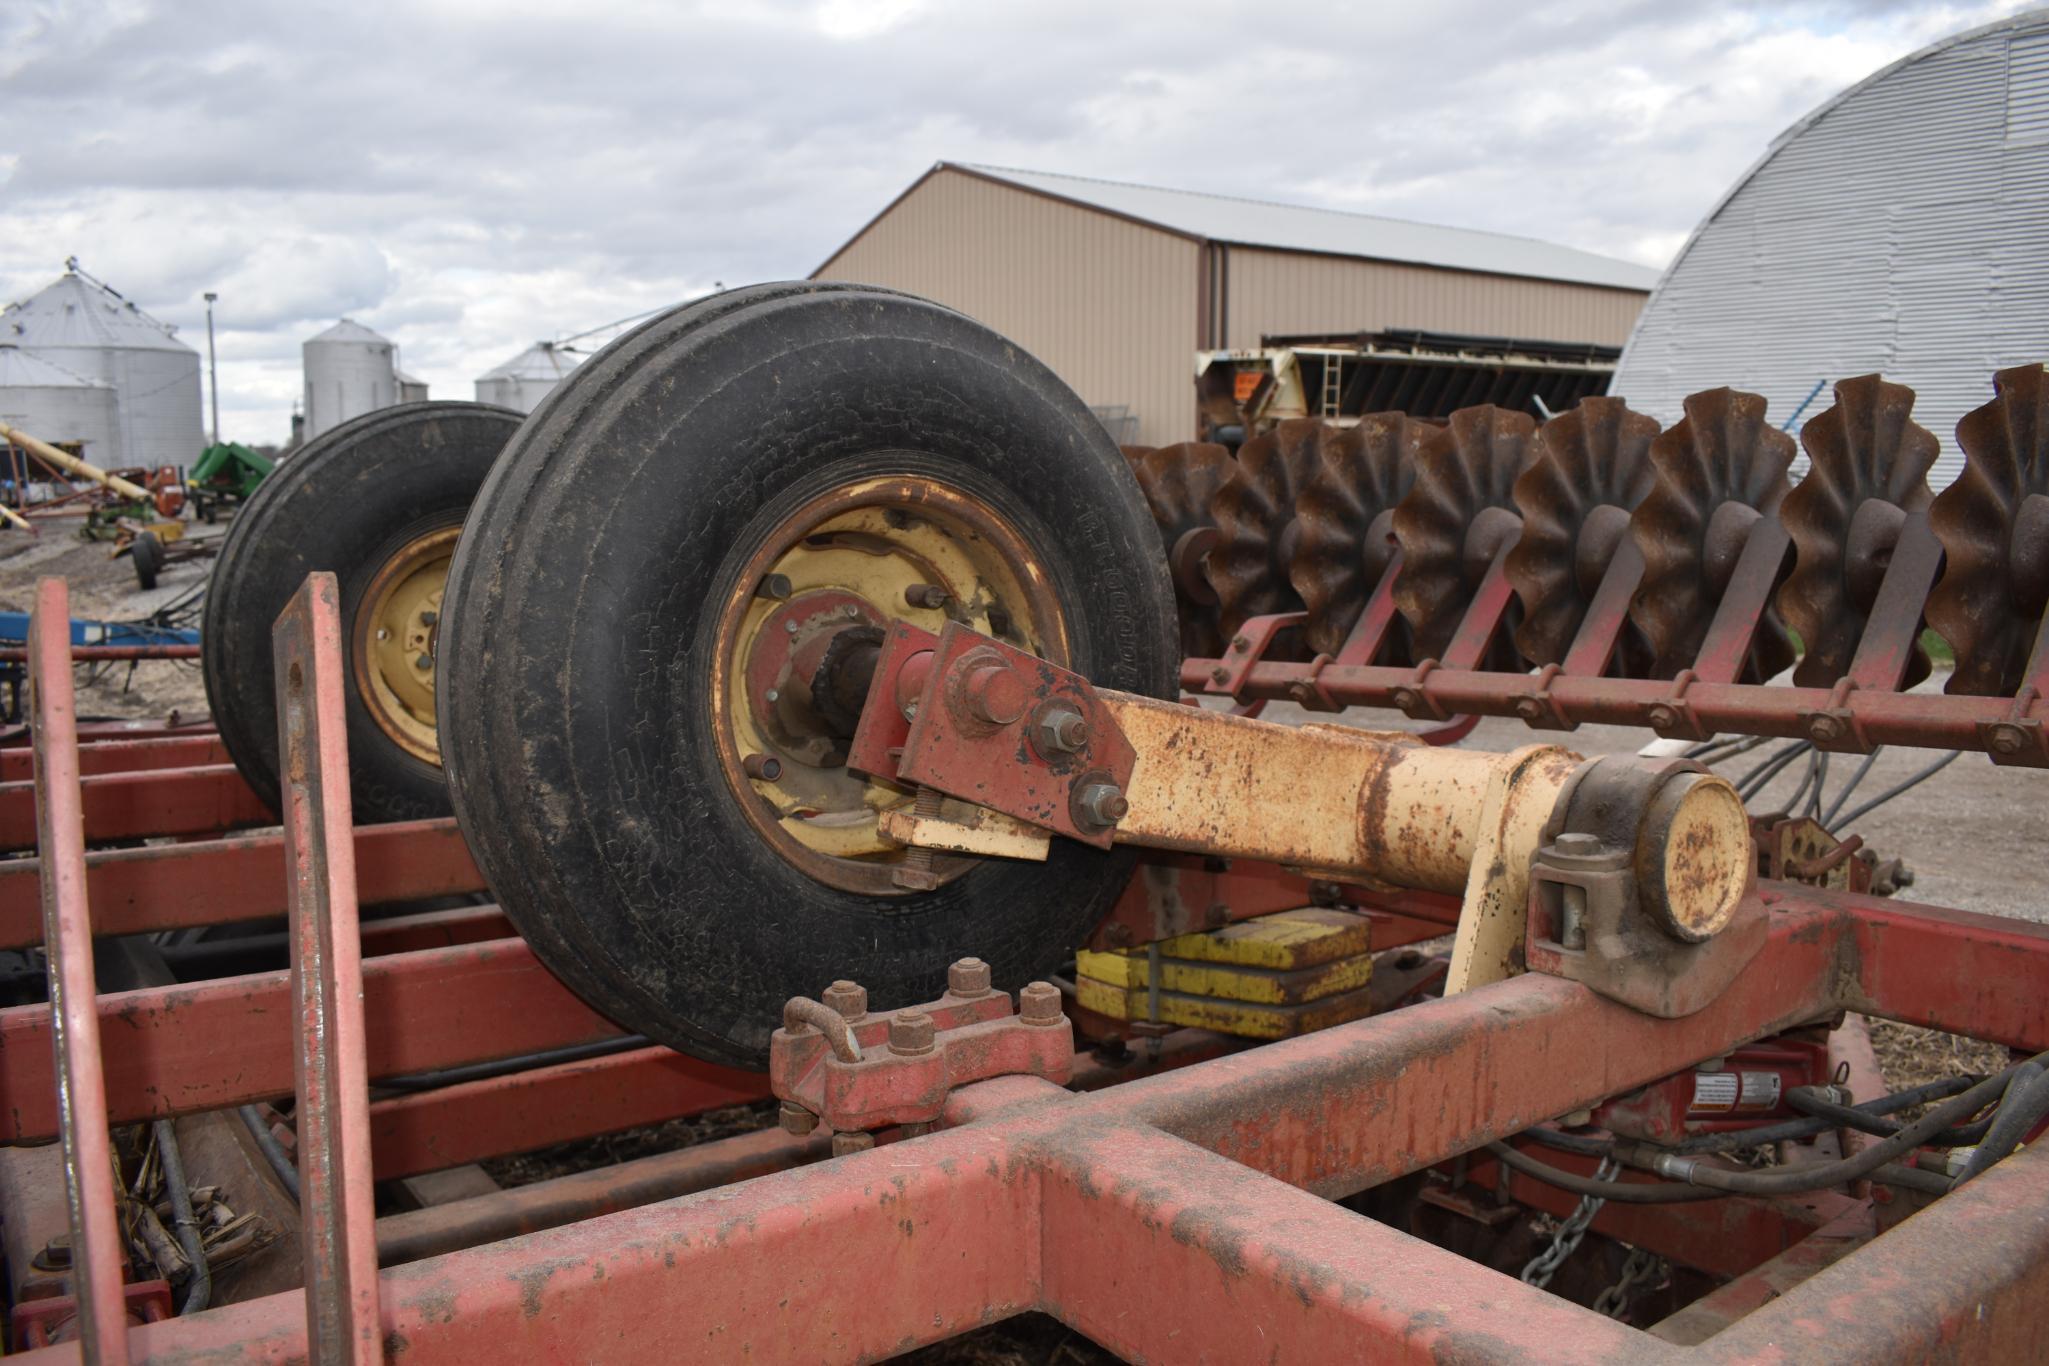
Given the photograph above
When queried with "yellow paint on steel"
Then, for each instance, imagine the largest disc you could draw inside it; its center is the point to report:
(1245, 1019)
(71, 464)
(397, 627)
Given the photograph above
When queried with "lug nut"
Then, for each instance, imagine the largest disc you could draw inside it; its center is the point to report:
(968, 978)
(775, 587)
(911, 1033)
(846, 1145)
(424, 662)
(796, 1119)
(926, 595)
(766, 767)
(996, 694)
(850, 999)
(1062, 730)
(429, 618)
(1103, 803)
(1039, 1004)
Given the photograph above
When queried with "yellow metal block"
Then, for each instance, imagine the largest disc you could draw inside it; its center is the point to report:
(1287, 959)
(1242, 1018)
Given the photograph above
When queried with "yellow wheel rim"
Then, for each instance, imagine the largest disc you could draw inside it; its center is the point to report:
(854, 558)
(397, 629)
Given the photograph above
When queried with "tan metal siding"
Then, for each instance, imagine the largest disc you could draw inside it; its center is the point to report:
(1276, 292)
(1109, 305)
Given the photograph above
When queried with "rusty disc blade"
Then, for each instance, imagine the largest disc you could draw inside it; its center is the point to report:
(1868, 463)
(1993, 523)
(1179, 482)
(1255, 516)
(1345, 518)
(1718, 472)
(1591, 469)
(1452, 523)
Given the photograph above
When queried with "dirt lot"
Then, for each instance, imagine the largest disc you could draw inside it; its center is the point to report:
(105, 589)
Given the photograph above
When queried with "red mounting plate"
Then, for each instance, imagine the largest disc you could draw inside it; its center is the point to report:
(883, 731)
(1000, 764)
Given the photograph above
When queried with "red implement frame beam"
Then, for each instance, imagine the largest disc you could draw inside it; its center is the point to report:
(73, 1048)
(240, 877)
(1926, 720)
(1149, 1216)
(206, 1045)
(330, 1079)
(92, 732)
(125, 756)
(93, 654)
(124, 806)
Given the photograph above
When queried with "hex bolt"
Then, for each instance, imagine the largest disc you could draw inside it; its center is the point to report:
(766, 767)
(2005, 741)
(424, 662)
(1529, 709)
(1039, 1004)
(1220, 674)
(1103, 803)
(968, 978)
(846, 1145)
(429, 618)
(1824, 728)
(1663, 717)
(772, 695)
(1063, 730)
(929, 595)
(911, 1033)
(796, 1119)
(1577, 845)
(775, 587)
(850, 999)
(996, 694)
(1240, 644)
(790, 625)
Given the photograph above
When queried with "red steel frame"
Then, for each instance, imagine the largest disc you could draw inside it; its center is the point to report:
(1183, 1214)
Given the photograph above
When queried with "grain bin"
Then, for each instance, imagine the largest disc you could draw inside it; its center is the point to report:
(522, 382)
(350, 371)
(83, 327)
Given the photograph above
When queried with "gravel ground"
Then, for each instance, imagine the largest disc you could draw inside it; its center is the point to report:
(104, 589)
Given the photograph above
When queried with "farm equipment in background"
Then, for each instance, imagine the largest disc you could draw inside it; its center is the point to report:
(1339, 377)
(804, 792)
(225, 475)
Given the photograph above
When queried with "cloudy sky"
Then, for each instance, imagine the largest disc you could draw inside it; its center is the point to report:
(467, 176)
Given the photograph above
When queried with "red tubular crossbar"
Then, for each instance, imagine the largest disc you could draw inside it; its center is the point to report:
(1149, 1216)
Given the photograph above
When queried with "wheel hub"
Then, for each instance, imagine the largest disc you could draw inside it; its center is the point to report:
(398, 627)
(797, 645)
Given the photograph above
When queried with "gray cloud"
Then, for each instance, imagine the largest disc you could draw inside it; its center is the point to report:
(467, 177)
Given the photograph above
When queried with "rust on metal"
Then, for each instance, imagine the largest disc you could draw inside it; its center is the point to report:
(330, 1069)
(97, 1251)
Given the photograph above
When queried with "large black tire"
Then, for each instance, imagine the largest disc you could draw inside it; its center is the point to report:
(575, 705)
(342, 502)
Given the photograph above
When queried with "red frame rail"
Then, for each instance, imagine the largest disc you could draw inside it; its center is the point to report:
(1184, 1213)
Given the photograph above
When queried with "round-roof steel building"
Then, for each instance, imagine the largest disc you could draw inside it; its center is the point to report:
(1899, 228)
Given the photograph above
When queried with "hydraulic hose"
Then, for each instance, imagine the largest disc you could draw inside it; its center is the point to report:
(1815, 1176)
(198, 1289)
(1868, 1120)
(1785, 1130)
(272, 1150)
(2025, 1106)
(1679, 1192)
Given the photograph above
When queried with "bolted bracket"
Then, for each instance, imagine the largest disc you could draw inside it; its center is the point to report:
(1618, 904)
(857, 1072)
(987, 723)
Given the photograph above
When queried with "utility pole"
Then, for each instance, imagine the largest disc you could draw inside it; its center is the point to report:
(213, 373)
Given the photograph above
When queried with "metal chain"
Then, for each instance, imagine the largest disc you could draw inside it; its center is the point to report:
(1641, 1269)
(1545, 1264)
